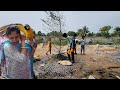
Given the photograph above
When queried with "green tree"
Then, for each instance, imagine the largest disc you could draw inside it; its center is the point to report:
(113, 34)
(55, 22)
(43, 34)
(39, 33)
(84, 31)
(91, 34)
(117, 31)
(39, 36)
(71, 33)
(54, 33)
(105, 31)
(98, 34)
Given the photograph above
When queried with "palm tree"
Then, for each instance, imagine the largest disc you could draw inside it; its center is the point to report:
(85, 29)
(83, 32)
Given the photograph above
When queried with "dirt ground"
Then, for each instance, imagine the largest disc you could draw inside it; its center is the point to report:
(98, 60)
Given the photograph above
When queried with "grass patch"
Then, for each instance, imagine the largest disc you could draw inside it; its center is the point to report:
(57, 42)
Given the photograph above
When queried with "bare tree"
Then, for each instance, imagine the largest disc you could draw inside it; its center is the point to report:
(55, 22)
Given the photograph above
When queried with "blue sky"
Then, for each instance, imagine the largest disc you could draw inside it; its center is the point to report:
(74, 20)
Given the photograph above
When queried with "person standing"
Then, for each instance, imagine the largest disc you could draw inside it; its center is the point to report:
(49, 46)
(74, 43)
(70, 49)
(82, 46)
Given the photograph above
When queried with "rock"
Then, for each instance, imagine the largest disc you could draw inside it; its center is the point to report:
(87, 71)
(118, 77)
(91, 77)
(93, 60)
(44, 60)
(97, 76)
(84, 78)
(101, 70)
(42, 65)
(65, 62)
(36, 73)
(37, 57)
(81, 61)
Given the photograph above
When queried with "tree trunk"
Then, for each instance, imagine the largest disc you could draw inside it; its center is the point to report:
(60, 38)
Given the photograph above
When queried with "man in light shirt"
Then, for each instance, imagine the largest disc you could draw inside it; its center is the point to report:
(82, 46)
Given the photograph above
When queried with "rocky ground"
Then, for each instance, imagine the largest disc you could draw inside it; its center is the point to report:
(99, 62)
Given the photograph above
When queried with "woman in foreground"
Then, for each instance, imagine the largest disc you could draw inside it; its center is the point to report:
(15, 52)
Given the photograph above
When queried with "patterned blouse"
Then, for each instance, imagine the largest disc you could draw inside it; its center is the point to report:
(18, 64)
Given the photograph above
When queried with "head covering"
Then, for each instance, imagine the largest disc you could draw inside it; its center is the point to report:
(4, 29)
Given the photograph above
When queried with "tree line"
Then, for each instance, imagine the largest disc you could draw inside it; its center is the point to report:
(84, 31)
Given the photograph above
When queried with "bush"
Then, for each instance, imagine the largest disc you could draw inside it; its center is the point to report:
(116, 41)
(100, 42)
(40, 40)
(57, 42)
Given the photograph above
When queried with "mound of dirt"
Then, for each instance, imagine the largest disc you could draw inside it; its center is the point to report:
(58, 71)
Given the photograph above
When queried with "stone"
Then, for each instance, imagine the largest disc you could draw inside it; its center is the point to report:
(91, 77)
(118, 77)
(65, 62)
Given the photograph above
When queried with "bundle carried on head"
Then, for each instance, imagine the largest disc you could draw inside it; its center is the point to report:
(27, 30)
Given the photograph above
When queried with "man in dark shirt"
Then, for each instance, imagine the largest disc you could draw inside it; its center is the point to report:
(74, 43)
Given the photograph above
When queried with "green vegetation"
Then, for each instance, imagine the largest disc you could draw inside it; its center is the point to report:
(57, 42)
(116, 41)
(100, 42)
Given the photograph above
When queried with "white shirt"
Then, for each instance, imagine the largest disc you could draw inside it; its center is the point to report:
(82, 42)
